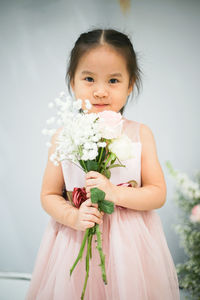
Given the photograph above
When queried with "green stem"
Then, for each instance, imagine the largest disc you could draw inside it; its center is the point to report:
(101, 153)
(170, 168)
(90, 242)
(87, 267)
(102, 256)
(81, 250)
(84, 166)
(109, 158)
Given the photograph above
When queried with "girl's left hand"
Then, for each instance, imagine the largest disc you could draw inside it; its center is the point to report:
(95, 179)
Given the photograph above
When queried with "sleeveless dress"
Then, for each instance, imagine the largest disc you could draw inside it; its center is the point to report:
(138, 262)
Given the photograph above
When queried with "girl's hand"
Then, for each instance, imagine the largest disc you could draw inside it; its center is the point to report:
(95, 179)
(87, 215)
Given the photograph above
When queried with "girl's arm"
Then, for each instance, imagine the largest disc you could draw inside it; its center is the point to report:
(152, 193)
(51, 192)
(56, 206)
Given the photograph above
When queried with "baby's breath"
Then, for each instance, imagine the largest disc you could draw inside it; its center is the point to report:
(72, 143)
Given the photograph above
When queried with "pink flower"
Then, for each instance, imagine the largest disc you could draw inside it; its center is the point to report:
(195, 215)
(110, 123)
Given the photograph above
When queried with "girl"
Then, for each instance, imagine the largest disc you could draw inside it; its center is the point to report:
(103, 68)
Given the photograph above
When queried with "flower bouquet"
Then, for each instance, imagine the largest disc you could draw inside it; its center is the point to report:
(94, 142)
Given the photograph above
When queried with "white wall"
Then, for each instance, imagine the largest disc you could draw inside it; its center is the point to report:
(36, 37)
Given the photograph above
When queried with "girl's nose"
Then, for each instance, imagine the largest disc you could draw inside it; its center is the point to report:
(100, 93)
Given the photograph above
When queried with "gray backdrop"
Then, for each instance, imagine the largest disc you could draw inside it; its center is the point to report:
(36, 37)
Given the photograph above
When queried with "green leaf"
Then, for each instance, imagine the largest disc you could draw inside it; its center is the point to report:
(97, 195)
(91, 165)
(113, 160)
(106, 206)
(116, 165)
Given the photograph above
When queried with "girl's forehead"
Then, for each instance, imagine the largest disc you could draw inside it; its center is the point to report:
(103, 57)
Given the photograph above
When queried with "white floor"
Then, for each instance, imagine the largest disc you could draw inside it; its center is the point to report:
(15, 289)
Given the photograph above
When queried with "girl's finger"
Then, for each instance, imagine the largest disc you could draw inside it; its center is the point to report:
(89, 224)
(94, 211)
(88, 202)
(87, 189)
(91, 174)
(90, 182)
(93, 218)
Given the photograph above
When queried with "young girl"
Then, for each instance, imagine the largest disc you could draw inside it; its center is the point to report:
(103, 68)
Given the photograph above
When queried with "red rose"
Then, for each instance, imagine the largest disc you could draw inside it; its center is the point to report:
(79, 195)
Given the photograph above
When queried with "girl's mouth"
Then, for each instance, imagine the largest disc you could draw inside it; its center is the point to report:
(100, 105)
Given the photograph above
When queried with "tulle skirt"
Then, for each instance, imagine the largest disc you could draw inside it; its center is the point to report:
(138, 262)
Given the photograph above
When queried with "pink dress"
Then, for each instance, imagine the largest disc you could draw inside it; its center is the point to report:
(138, 262)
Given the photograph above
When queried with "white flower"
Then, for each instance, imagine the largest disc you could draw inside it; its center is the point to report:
(62, 94)
(122, 147)
(77, 104)
(57, 101)
(92, 154)
(48, 144)
(188, 187)
(72, 143)
(52, 157)
(88, 104)
(88, 145)
(51, 104)
(45, 131)
(95, 138)
(59, 122)
(51, 131)
(101, 144)
(48, 131)
(51, 120)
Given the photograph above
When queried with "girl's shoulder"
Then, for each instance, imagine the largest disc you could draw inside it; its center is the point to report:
(132, 129)
(139, 132)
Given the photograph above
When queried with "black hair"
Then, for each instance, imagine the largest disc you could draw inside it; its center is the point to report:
(114, 38)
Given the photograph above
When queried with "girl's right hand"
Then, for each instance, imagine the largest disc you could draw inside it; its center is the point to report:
(87, 215)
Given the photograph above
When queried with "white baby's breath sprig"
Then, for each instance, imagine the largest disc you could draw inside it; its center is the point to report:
(51, 105)
(101, 144)
(51, 120)
(72, 143)
(88, 105)
(49, 132)
(62, 94)
(188, 187)
(48, 144)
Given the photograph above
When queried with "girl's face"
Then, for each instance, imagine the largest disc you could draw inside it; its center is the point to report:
(102, 77)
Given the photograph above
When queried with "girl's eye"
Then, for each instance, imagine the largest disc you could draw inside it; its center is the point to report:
(114, 80)
(90, 79)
